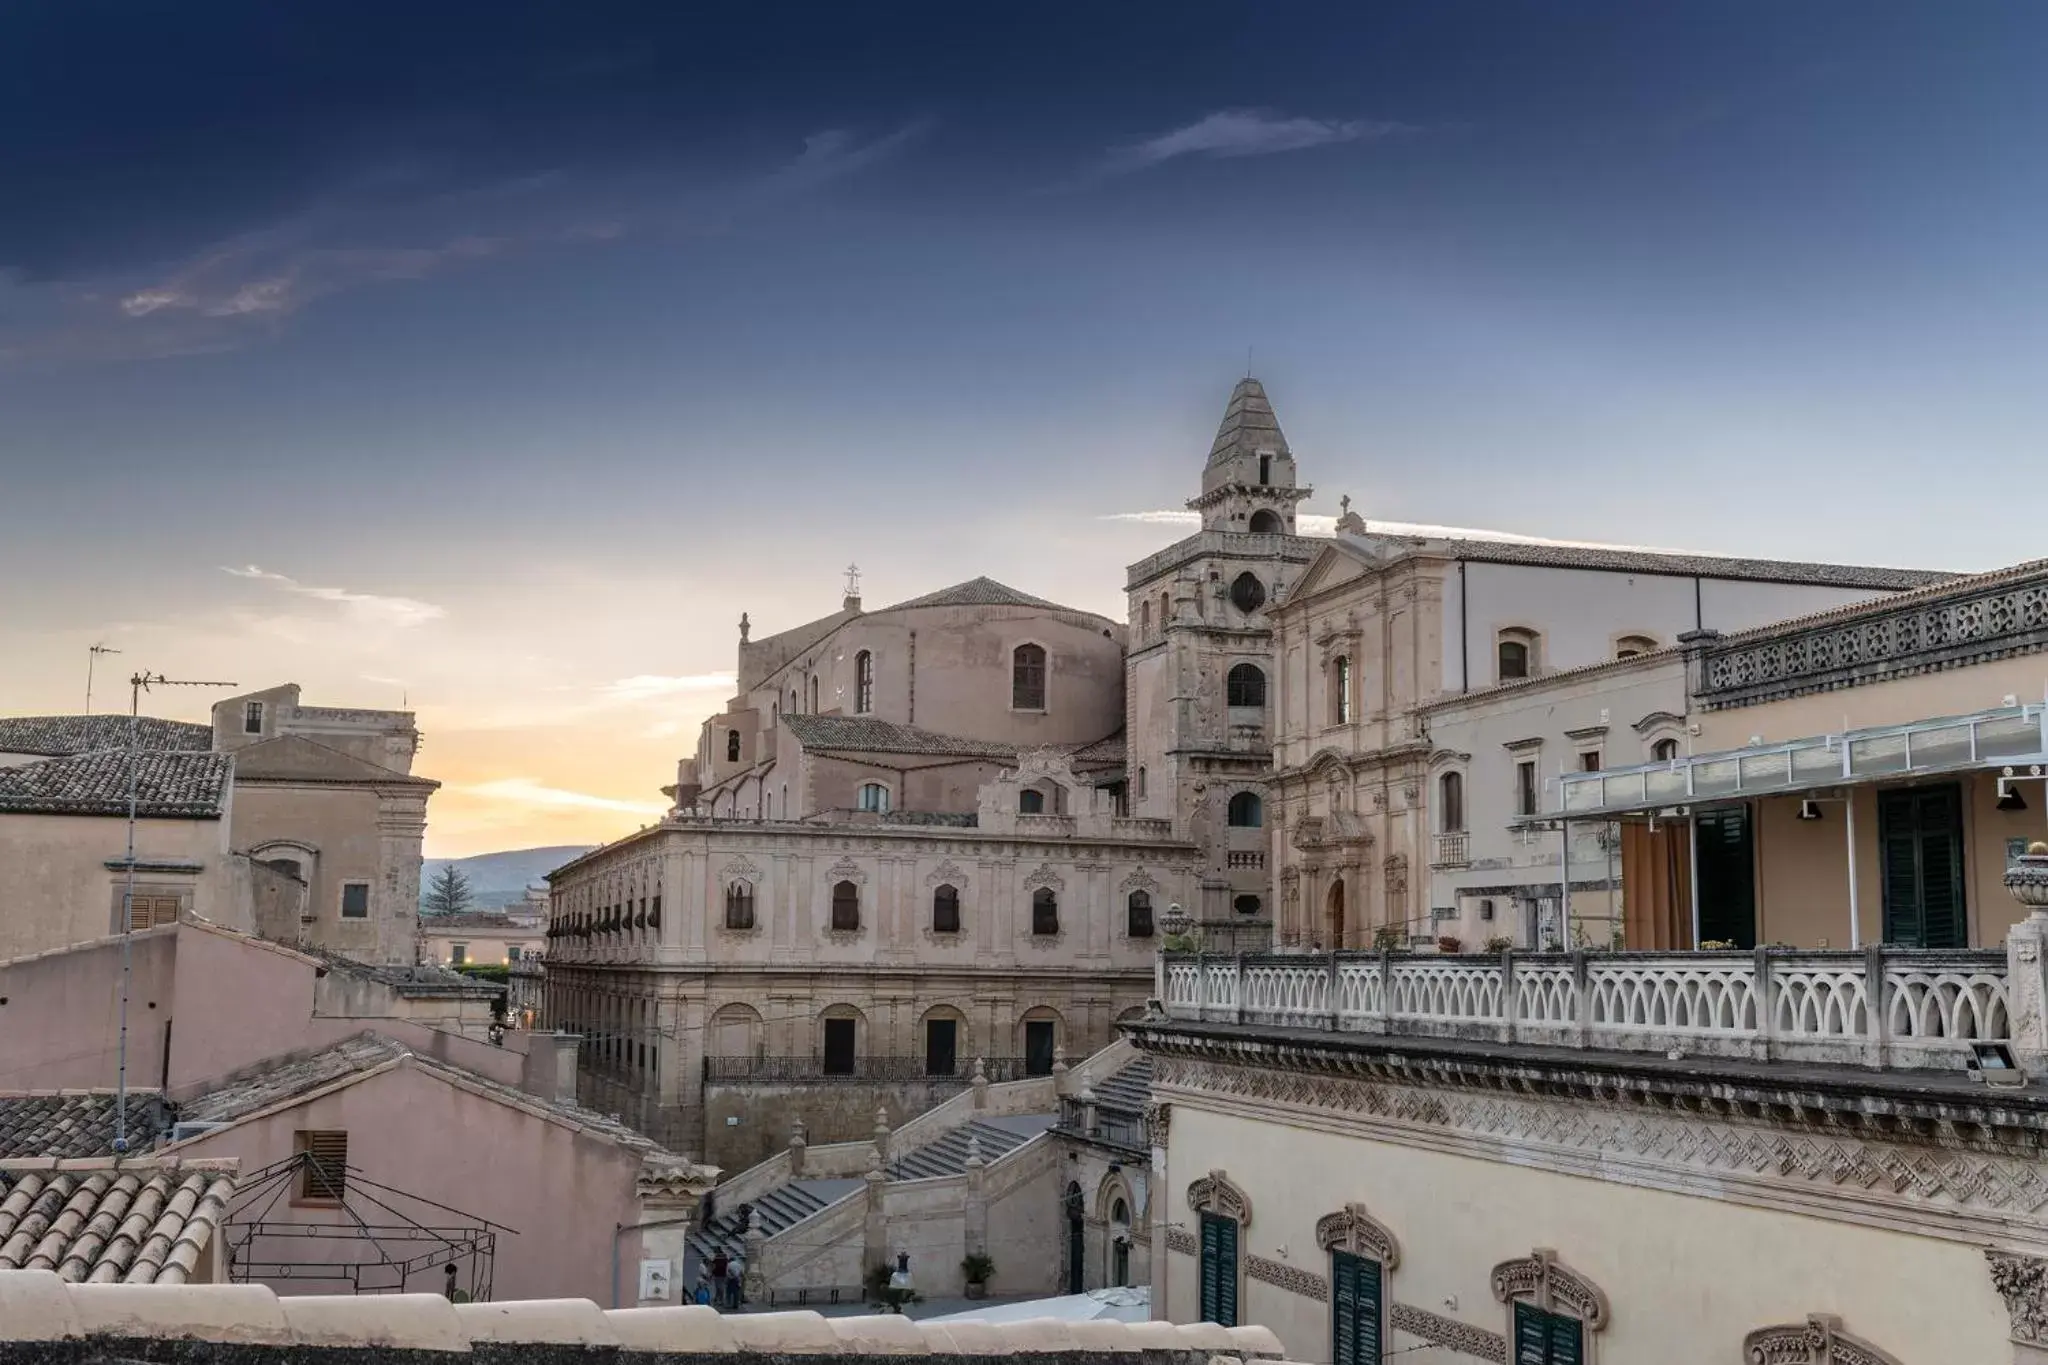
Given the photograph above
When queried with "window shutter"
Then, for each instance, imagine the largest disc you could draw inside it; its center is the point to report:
(325, 1172)
(1532, 1335)
(1567, 1340)
(1219, 1270)
(1356, 1309)
(1941, 869)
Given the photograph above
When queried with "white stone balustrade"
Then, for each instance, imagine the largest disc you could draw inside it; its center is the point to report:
(1880, 1007)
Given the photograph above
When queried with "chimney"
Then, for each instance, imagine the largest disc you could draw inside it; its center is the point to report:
(565, 1066)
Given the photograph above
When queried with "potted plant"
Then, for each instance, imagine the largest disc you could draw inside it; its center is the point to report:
(1389, 937)
(1499, 943)
(976, 1267)
(1449, 943)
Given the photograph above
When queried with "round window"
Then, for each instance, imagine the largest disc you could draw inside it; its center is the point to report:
(1247, 593)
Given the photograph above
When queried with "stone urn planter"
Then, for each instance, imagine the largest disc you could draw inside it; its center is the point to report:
(2027, 878)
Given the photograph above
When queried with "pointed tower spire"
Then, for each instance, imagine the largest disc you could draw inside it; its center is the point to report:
(1248, 484)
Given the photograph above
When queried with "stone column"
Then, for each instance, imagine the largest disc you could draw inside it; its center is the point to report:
(682, 906)
(2026, 960)
(401, 829)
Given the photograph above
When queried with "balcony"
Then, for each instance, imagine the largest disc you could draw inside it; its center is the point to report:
(856, 1069)
(1252, 860)
(1453, 849)
(1876, 1008)
(1105, 1123)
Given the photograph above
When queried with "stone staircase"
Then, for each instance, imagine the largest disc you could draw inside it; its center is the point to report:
(1128, 1090)
(948, 1156)
(781, 1207)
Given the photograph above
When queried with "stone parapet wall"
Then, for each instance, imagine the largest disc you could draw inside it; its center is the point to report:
(45, 1321)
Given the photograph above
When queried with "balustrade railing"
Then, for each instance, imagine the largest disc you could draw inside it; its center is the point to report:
(958, 1070)
(1451, 850)
(1105, 1123)
(1877, 1007)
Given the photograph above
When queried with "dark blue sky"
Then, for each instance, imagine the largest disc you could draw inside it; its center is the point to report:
(581, 328)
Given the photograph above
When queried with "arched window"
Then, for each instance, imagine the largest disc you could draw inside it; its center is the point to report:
(732, 746)
(1664, 751)
(1145, 619)
(1247, 593)
(1246, 905)
(1450, 793)
(1246, 686)
(845, 907)
(874, 796)
(1630, 646)
(739, 905)
(1266, 522)
(1515, 654)
(1165, 610)
(1138, 915)
(1247, 811)
(1141, 782)
(1045, 911)
(1340, 690)
(946, 910)
(814, 696)
(863, 683)
(792, 701)
(1030, 802)
(1027, 678)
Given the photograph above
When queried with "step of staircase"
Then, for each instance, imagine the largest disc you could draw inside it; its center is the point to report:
(948, 1154)
(781, 1207)
(1128, 1089)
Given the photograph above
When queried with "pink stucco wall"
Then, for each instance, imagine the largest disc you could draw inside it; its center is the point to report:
(563, 1191)
(60, 1014)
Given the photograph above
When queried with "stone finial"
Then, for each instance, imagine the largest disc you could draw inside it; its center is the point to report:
(798, 1145)
(745, 626)
(980, 1084)
(1059, 1060)
(974, 1157)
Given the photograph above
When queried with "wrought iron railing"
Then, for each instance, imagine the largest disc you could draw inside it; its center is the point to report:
(1107, 1123)
(1877, 1007)
(959, 1069)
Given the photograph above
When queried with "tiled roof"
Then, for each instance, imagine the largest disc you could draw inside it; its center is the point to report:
(75, 1123)
(981, 592)
(1108, 749)
(60, 736)
(870, 734)
(1249, 424)
(426, 979)
(138, 1222)
(474, 919)
(1623, 560)
(168, 783)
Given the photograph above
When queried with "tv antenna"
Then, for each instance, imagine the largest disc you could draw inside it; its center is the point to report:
(137, 685)
(92, 656)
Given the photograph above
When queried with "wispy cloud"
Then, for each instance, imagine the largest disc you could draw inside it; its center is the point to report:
(1244, 132)
(267, 275)
(370, 607)
(1310, 525)
(642, 687)
(527, 791)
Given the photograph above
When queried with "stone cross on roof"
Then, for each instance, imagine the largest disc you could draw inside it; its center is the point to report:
(853, 580)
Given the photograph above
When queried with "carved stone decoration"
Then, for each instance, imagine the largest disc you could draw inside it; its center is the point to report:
(1819, 1340)
(1183, 1241)
(846, 870)
(1139, 880)
(1214, 1193)
(1448, 1333)
(2022, 1281)
(741, 868)
(948, 872)
(1158, 1118)
(1547, 1283)
(1396, 868)
(1291, 1278)
(1045, 876)
(1354, 1230)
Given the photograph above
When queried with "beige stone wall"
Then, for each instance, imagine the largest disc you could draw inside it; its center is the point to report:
(1897, 701)
(1685, 1276)
(482, 945)
(57, 890)
(342, 833)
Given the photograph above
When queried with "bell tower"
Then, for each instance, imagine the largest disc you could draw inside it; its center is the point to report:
(1249, 485)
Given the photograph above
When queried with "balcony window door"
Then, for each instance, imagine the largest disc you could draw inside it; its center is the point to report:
(941, 1046)
(1727, 876)
(839, 1047)
(1920, 831)
(1357, 1309)
(1038, 1047)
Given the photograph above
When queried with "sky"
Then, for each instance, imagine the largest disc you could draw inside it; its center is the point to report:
(491, 359)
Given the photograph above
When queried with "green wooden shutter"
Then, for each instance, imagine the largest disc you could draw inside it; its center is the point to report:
(1547, 1338)
(1219, 1270)
(1921, 841)
(1900, 850)
(1567, 1340)
(1356, 1309)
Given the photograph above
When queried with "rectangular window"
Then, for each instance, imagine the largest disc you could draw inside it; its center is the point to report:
(147, 911)
(1543, 1338)
(512, 951)
(355, 900)
(1525, 787)
(1727, 876)
(1027, 678)
(1589, 761)
(941, 1051)
(839, 1038)
(1039, 1047)
(323, 1165)
(252, 718)
(1920, 832)
(1356, 1310)
(458, 953)
(1219, 1270)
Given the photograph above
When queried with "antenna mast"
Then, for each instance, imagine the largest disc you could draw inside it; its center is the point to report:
(137, 685)
(92, 656)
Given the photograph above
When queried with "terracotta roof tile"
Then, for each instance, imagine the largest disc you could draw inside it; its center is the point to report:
(1624, 560)
(62, 736)
(168, 784)
(74, 1123)
(138, 1222)
(981, 592)
(870, 734)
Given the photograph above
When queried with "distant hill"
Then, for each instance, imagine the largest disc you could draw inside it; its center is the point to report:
(501, 879)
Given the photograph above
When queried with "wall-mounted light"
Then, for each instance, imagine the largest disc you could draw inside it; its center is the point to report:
(2009, 797)
(1809, 809)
